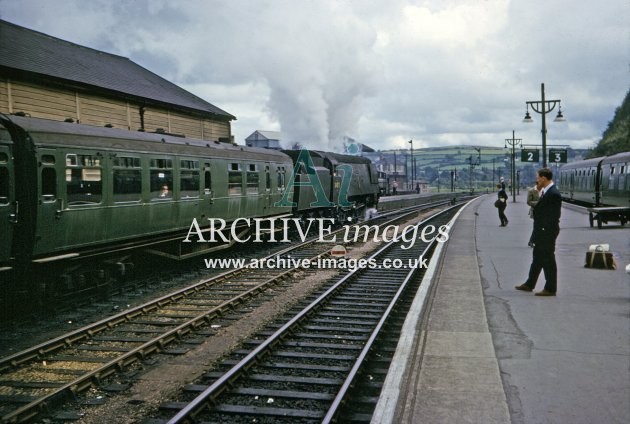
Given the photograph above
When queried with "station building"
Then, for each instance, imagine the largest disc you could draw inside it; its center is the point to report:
(46, 77)
(264, 139)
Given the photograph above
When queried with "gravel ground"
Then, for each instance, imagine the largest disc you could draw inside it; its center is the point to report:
(163, 381)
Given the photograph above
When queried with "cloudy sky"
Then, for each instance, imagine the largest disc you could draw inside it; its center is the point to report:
(440, 72)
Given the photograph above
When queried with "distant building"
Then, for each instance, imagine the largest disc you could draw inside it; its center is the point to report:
(423, 186)
(390, 162)
(264, 139)
(46, 77)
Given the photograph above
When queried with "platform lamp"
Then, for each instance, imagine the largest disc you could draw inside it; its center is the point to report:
(513, 142)
(543, 107)
(413, 168)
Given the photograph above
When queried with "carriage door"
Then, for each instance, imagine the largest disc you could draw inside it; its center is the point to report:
(50, 204)
(208, 194)
(7, 203)
(267, 187)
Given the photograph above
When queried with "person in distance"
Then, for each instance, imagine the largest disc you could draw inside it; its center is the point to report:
(501, 204)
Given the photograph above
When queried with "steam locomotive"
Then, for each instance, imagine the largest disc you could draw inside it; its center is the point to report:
(70, 191)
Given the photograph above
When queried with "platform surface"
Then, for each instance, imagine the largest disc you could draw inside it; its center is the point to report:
(486, 352)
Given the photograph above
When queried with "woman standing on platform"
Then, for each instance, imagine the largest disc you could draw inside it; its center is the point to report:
(501, 204)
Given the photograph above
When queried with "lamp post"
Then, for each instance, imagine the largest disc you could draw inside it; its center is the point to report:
(543, 107)
(413, 168)
(513, 142)
(438, 178)
(406, 155)
(473, 162)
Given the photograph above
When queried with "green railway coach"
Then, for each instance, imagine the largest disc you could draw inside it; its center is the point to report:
(68, 189)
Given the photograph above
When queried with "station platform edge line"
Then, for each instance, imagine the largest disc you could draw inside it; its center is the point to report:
(435, 372)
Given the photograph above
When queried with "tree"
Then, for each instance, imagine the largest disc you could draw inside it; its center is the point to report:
(616, 138)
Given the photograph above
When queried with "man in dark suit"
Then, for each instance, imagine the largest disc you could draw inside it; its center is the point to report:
(546, 229)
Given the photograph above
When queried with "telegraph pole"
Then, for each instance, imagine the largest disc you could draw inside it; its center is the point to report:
(513, 142)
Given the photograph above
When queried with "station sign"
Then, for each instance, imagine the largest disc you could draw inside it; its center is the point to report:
(530, 155)
(558, 155)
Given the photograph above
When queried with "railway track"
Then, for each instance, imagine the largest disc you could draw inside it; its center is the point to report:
(310, 367)
(35, 381)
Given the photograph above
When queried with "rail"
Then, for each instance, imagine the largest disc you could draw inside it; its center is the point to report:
(209, 400)
(180, 329)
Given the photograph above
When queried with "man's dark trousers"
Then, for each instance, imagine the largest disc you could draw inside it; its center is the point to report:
(544, 259)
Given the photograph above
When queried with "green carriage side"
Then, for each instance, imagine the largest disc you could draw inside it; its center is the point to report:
(95, 189)
(7, 197)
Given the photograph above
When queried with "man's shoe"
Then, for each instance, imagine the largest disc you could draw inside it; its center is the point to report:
(523, 287)
(545, 293)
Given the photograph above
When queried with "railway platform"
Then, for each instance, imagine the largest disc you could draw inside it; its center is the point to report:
(475, 350)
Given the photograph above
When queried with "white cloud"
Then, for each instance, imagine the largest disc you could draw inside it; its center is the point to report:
(455, 24)
(437, 71)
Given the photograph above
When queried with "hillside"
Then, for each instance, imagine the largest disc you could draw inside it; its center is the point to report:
(616, 138)
(438, 165)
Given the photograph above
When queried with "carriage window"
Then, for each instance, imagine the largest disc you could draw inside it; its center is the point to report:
(267, 179)
(127, 162)
(252, 178)
(49, 183)
(83, 160)
(161, 184)
(48, 159)
(207, 182)
(83, 179)
(281, 178)
(4, 185)
(189, 164)
(161, 179)
(189, 179)
(127, 181)
(4, 158)
(161, 163)
(127, 185)
(235, 179)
